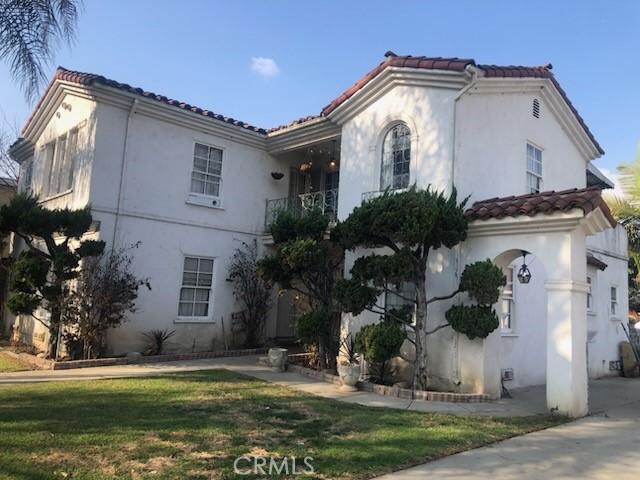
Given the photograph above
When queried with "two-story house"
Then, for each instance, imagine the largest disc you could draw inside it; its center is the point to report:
(191, 184)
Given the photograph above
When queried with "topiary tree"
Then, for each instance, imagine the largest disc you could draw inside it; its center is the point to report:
(379, 343)
(409, 225)
(51, 259)
(308, 261)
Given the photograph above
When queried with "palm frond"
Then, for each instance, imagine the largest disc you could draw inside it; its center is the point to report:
(29, 32)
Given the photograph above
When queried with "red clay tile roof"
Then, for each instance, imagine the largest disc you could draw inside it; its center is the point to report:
(392, 60)
(297, 121)
(586, 199)
(459, 65)
(596, 262)
(82, 78)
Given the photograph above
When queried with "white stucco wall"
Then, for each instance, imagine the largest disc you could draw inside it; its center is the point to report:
(153, 210)
(604, 328)
(426, 111)
(492, 131)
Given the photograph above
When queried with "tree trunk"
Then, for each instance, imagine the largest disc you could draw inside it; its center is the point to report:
(420, 363)
(54, 331)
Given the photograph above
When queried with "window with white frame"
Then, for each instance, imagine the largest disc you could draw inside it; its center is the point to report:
(27, 176)
(534, 169)
(206, 177)
(197, 279)
(614, 300)
(396, 158)
(507, 314)
(400, 297)
(589, 294)
(60, 164)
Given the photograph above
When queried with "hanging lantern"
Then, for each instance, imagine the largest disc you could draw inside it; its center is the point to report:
(524, 274)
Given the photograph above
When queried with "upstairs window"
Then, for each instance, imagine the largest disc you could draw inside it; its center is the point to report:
(206, 177)
(60, 164)
(534, 169)
(396, 158)
(614, 301)
(27, 175)
(197, 278)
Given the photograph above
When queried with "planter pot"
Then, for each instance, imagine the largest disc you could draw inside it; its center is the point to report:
(278, 359)
(349, 374)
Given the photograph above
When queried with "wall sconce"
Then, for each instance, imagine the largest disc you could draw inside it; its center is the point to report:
(277, 175)
(524, 275)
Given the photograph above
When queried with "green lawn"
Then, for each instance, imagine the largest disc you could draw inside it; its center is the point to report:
(193, 426)
(10, 364)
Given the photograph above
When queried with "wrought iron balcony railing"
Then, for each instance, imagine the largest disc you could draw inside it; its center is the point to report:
(324, 200)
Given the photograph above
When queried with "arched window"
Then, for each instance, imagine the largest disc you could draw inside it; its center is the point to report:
(396, 157)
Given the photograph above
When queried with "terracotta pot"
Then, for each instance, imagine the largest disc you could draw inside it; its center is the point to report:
(278, 359)
(349, 375)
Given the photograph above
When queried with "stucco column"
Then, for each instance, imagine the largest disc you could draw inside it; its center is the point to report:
(567, 385)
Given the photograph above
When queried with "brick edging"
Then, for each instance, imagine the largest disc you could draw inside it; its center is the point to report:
(398, 392)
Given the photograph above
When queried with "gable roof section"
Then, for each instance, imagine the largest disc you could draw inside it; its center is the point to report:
(88, 79)
(587, 199)
(392, 60)
(460, 65)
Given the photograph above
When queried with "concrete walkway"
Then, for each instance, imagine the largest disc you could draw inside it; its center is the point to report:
(530, 402)
(601, 447)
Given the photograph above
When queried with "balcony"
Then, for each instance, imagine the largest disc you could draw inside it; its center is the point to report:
(324, 200)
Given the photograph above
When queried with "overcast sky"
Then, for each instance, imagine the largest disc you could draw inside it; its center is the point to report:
(268, 63)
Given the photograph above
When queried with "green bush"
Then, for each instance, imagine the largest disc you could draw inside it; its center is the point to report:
(475, 321)
(379, 343)
(482, 280)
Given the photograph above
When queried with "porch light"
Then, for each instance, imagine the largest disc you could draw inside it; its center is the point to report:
(524, 275)
(305, 167)
(277, 175)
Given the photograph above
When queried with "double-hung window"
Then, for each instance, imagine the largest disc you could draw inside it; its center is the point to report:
(195, 293)
(206, 176)
(506, 319)
(60, 164)
(614, 300)
(26, 176)
(534, 169)
(589, 295)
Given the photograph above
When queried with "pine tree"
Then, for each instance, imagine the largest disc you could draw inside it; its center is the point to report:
(410, 225)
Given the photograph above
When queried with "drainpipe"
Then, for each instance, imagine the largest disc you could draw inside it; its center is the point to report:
(474, 77)
(122, 173)
(458, 250)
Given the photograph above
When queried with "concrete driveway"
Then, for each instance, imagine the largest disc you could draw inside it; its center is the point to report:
(603, 446)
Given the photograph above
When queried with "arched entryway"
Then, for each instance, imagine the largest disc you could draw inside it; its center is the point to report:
(500, 230)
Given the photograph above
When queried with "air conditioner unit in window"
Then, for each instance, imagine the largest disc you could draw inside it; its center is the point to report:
(506, 374)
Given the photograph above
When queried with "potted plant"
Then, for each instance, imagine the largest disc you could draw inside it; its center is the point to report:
(348, 364)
